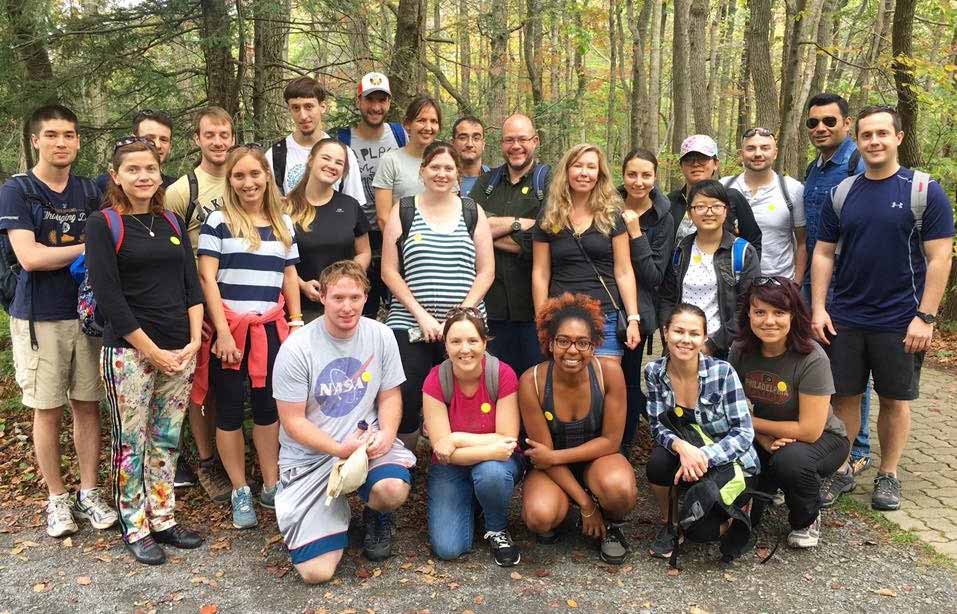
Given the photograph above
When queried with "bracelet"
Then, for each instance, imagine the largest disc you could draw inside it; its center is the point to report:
(634, 318)
(593, 510)
(296, 323)
(293, 318)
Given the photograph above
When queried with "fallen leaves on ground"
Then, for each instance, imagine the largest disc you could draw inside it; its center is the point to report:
(84, 580)
(571, 603)
(886, 592)
(211, 608)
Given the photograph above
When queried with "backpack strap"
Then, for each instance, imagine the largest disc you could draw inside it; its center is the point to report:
(27, 186)
(738, 250)
(787, 196)
(399, 133)
(538, 180)
(279, 164)
(173, 222)
(406, 217)
(193, 196)
(852, 162)
(470, 213)
(446, 380)
(495, 180)
(676, 257)
(807, 171)
(117, 228)
(91, 193)
(838, 196)
(491, 376)
(486, 168)
(345, 136)
(730, 181)
(918, 197)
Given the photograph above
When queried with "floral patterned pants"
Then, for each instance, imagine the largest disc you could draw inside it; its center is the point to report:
(146, 410)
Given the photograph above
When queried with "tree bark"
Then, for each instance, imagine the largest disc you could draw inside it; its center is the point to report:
(405, 77)
(903, 47)
(612, 78)
(270, 33)
(759, 63)
(698, 66)
(465, 49)
(221, 80)
(532, 49)
(744, 79)
(498, 62)
(680, 91)
(650, 136)
(863, 85)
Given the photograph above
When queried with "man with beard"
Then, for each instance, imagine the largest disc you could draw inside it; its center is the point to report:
(512, 196)
(157, 128)
(468, 138)
(777, 202)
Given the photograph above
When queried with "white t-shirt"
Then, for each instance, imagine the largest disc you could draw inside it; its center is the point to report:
(399, 172)
(296, 158)
(700, 286)
(773, 218)
(369, 154)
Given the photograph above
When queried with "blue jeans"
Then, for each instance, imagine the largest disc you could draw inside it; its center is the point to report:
(611, 346)
(452, 493)
(862, 443)
(515, 343)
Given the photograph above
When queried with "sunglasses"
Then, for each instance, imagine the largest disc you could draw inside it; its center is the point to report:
(469, 311)
(152, 114)
(248, 146)
(129, 140)
(768, 280)
(756, 131)
(830, 121)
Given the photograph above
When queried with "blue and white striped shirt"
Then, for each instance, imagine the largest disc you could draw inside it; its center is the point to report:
(249, 281)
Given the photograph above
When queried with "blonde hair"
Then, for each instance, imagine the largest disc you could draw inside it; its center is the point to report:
(604, 202)
(301, 212)
(240, 224)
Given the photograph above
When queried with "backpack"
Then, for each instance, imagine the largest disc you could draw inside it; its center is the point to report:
(279, 153)
(446, 379)
(784, 191)
(407, 216)
(91, 321)
(193, 196)
(918, 202)
(852, 162)
(345, 136)
(539, 173)
(738, 249)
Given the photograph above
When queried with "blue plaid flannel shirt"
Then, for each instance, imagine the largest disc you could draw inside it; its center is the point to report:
(722, 412)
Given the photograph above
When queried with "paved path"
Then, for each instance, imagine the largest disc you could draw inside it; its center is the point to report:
(928, 470)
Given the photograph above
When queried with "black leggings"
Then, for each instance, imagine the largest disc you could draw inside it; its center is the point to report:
(798, 469)
(662, 466)
(417, 360)
(229, 387)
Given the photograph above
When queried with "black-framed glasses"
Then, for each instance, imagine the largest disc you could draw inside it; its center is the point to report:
(830, 121)
(712, 208)
(508, 141)
(768, 280)
(129, 140)
(248, 146)
(750, 132)
(157, 114)
(581, 344)
(469, 311)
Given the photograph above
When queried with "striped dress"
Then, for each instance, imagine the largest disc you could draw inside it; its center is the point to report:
(249, 281)
(439, 270)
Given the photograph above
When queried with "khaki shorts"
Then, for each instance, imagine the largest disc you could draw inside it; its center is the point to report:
(65, 366)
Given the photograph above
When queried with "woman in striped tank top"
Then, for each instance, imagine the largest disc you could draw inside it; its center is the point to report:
(442, 259)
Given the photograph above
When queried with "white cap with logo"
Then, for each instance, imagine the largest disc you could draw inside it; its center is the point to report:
(374, 82)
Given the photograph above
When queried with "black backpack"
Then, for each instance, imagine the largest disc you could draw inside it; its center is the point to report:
(193, 196)
(407, 216)
(852, 163)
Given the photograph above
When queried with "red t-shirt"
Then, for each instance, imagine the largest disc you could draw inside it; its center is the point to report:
(476, 413)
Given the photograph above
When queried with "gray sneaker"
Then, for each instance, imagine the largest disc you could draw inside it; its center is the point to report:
(267, 497)
(833, 487)
(808, 537)
(93, 508)
(614, 548)
(887, 493)
(244, 516)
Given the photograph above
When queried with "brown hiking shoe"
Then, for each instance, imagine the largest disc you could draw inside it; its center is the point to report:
(214, 480)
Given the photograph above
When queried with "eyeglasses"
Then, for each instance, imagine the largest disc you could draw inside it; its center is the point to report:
(142, 114)
(472, 312)
(465, 138)
(768, 280)
(248, 146)
(750, 132)
(830, 121)
(715, 208)
(582, 345)
(516, 140)
(695, 159)
(129, 140)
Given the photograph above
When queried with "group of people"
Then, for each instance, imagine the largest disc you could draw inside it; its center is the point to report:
(366, 289)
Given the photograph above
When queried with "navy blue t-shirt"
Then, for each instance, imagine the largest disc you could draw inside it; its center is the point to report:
(880, 276)
(58, 221)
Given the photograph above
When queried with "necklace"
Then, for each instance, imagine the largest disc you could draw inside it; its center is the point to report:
(149, 228)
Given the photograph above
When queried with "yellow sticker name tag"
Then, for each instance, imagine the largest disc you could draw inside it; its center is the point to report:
(175, 240)
(525, 190)
(486, 408)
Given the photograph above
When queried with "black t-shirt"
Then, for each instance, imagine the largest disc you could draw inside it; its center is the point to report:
(330, 238)
(149, 284)
(571, 271)
(58, 219)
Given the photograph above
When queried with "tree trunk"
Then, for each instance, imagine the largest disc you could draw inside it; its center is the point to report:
(221, 81)
(723, 93)
(532, 50)
(759, 63)
(405, 77)
(902, 43)
(863, 85)
(465, 49)
(825, 36)
(612, 79)
(650, 136)
(698, 66)
(744, 79)
(680, 90)
(845, 49)
(636, 108)
(498, 62)
(270, 33)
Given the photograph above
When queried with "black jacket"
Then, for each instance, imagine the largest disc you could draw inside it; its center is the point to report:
(729, 289)
(740, 218)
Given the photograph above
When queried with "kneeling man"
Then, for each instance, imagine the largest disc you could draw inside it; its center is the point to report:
(339, 370)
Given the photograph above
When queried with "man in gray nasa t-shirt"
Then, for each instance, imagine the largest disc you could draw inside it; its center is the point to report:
(335, 372)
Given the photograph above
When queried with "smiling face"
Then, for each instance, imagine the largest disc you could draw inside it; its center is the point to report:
(758, 153)
(57, 142)
(639, 178)
(374, 108)
(214, 139)
(138, 176)
(249, 179)
(827, 138)
(697, 167)
(469, 141)
(464, 345)
(425, 127)
(328, 164)
(685, 335)
(572, 332)
(440, 174)
(878, 139)
(343, 301)
(519, 142)
(583, 173)
(770, 324)
(158, 134)
(707, 213)
(306, 114)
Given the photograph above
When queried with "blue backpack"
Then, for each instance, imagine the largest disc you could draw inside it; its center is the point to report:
(539, 173)
(738, 250)
(345, 135)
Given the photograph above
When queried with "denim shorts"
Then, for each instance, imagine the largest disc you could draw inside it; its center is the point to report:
(611, 346)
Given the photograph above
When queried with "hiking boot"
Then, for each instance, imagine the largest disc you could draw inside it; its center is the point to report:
(179, 537)
(184, 474)
(244, 516)
(887, 493)
(60, 522)
(214, 480)
(807, 537)
(377, 544)
(504, 551)
(614, 548)
(91, 507)
(860, 465)
(147, 551)
(267, 497)
(832, 488)
(664, 541)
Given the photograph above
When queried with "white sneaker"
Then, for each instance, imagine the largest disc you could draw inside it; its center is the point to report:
(59, 517)
(807, 537)
(91, 507)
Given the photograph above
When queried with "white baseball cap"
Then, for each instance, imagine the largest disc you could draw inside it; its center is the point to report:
(699, 143)
(374, 82)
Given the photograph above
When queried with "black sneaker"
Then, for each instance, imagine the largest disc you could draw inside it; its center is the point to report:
(614, 548)
(184, 474)
(664, 541)
(179, 537)
(377, 544)
(504, 552)
(833, 487)
(887, 493)
(146, 551)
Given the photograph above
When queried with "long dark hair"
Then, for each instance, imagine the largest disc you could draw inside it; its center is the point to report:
(784, 294)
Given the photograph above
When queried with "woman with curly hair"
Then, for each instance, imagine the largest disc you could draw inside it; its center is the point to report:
(787, 378)
(580, 245)
(573, 410)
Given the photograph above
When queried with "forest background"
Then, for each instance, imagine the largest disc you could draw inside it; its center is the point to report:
(619, 73)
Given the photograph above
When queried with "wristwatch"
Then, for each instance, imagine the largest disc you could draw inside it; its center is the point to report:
(634, 318)
(516, 225)
(927, 318)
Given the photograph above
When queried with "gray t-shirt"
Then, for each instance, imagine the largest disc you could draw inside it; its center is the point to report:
(399, 172)
(369, 153)
(773, 384)
(339, 379)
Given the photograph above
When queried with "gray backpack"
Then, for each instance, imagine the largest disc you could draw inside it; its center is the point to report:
(918, 201)
(447, 379)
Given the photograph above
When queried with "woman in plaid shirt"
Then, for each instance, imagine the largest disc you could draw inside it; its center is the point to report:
(706, 390)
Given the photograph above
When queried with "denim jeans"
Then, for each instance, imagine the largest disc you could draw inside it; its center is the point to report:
(862, 443)
(452, 493)
(515, 343)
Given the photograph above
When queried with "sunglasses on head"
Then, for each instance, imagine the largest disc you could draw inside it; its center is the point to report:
(152, 114)
(247, 146)
(830, 121)
(768, 280)
(756, 131)
(129, 140)
(469, 311)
